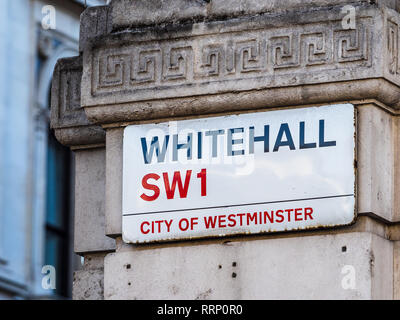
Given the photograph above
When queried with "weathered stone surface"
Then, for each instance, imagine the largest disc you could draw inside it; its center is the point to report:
(90, 202)
(353, 91)
(377, 148)
(396, 270)
(81, 137)
(67, 116)
(263, 269)
(95, 21)
(88, 285)
(131, 13)
(247, 63)
(66, 94)
(89, 282)
(128, 13)
(72, 128)
(114, 153)
(234, 8)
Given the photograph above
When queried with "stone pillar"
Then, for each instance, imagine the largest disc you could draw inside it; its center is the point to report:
(148, 61)
(87, 141)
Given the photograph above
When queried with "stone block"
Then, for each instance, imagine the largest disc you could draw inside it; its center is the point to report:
(128, 13)
(88, 283)
(234, 8)
(66, 94)
(308, 267)
(90, 187)
(68, 118)
(133, 13)
(242, 64)
(95, 21)
(114, 140)
(377, 130)
(396, 270)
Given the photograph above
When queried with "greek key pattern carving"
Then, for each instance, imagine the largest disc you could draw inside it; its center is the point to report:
(393, 47)
(70, 91)
(66, 94)
(231, 56)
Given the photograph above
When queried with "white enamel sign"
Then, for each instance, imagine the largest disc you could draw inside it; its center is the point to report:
(250, 173)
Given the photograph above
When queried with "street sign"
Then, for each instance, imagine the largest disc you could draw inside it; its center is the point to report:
(250, 173)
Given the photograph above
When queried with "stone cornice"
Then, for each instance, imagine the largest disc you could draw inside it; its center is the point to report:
(362, 90)
(128, 14)
(68, 119)
(241, 64)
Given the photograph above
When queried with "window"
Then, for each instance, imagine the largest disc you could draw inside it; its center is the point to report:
(57, 250)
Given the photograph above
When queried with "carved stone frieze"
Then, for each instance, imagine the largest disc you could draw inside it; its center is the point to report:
(68, 118)
(226, 61)
(133, 69)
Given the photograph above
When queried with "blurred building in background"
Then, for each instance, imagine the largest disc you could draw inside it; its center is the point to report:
(35, 170)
